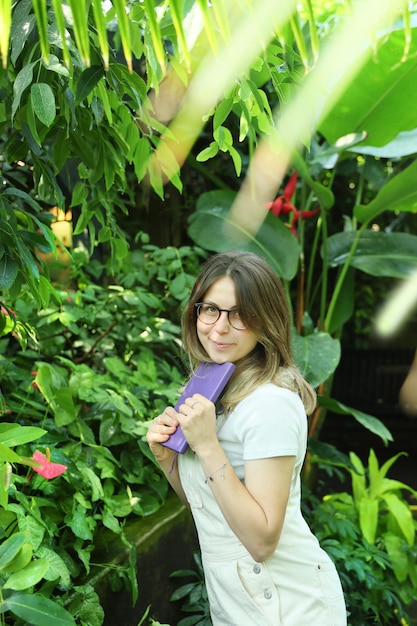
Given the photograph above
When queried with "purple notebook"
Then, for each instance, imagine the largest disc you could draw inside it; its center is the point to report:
(209, 380)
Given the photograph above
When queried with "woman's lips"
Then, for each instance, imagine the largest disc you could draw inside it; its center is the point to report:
(220, 346)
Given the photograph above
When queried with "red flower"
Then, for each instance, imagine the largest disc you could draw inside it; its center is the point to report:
(282, 205)
(35, 384)
(47, 469)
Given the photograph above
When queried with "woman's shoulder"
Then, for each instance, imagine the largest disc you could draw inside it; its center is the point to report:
(273, 390)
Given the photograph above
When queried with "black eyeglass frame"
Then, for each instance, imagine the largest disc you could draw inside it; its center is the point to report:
(198, 306)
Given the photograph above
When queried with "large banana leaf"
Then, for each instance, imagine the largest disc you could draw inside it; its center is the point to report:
(377, 253)
(211, 228)
(379, 101)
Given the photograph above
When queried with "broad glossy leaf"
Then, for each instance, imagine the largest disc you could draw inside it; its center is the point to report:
(316, 355)
(377, 253)
(43, 102)
(378, 100)
(399, 194)
(37, 610)
(371, 423)
(10, 548)
(16, 435)
(210, 227)
(28, 576)
(404, 144)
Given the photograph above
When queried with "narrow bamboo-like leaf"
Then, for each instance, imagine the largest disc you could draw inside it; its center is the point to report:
(39, 6)
(80, 24)
(177, 19)
(98, 12)
(209, 25)
(37, 610)
(299, 40)
(5, 25)
(155, 33)
(43, 103)
(220, 13)
(314, 39)
(124, 30)
(9, 269)
(60, 23)
(101, 89)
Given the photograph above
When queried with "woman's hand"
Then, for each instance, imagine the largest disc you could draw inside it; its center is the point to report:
(159, 431)
(197, 417)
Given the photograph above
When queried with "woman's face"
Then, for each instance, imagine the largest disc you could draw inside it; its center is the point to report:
(220, 340)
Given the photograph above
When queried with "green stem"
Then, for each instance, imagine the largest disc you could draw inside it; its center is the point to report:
(342, 277)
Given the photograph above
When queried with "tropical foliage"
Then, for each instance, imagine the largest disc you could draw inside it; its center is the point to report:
(281, 127)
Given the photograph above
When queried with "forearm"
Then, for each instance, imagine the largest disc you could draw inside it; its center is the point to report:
(169, 466)
(255, 527)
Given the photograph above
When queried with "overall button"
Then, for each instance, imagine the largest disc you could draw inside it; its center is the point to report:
(257, 568)
(268, 594)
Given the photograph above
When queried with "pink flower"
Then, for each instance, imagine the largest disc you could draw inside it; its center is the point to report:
(47, 469)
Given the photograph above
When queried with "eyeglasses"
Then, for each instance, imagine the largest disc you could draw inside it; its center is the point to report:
(209, 314)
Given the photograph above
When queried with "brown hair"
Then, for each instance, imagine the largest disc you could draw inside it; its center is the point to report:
(263, 305)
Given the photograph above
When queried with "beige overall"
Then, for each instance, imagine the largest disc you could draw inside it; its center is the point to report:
(298, 585)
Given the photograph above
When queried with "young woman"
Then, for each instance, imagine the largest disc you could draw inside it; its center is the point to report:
(241, 473)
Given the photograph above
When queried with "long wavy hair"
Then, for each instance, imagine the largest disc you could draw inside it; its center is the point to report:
(264, 308)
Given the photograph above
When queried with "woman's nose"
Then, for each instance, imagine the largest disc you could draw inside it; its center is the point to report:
(222, 325)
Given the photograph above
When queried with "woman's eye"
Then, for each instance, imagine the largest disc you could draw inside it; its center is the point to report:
(211, 310)
(235, 314)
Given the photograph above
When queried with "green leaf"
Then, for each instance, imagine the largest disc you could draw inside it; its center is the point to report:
(371, 423)
(43, 103)
(10, 548)
(16, 435)
(378, 100)
(88, 80)
(368, 518)
(208, 153)
(21, 82)
(9, 269)
(378, 253)
(20, 561)
(28, 576)
(7, 455)
(37, 610)
(80, 25)
(398, 194)
(395, 548)
(210, 227)
(316, 355)
(401, 511)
